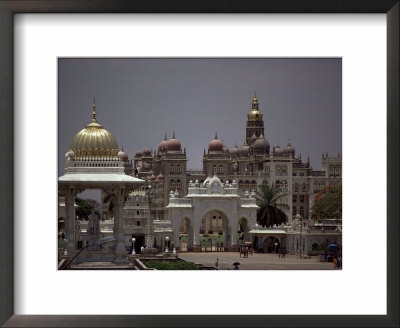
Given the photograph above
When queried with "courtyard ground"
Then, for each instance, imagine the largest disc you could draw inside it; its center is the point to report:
(256, 261)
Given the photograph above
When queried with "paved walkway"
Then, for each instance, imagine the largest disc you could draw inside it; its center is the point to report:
(256, 261)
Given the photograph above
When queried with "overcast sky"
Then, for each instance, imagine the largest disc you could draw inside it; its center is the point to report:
(139, 100)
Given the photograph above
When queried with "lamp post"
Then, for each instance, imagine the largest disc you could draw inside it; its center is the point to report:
(300, 218)
(166, 244)
(133, 246)
(150, 196)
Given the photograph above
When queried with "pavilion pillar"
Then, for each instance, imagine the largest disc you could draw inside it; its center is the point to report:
(120, 250)
(70, 222)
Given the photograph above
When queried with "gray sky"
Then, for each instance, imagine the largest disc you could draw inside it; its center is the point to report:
(139, 100)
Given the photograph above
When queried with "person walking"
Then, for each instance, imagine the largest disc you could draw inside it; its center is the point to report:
(216, 264)
(335, 261)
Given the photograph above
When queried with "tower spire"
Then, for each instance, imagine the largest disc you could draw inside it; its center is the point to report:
(94, 110)
(216, 136)
(254, 104)
(173, 135)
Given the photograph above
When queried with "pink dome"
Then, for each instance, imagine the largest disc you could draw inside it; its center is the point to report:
(160, 177)
(163, 144)
(173, 144)
(216, 144)
(138, 153)
(147, 152)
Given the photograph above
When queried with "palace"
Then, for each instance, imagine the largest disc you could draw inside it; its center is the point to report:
(165, 199)
(250, 165)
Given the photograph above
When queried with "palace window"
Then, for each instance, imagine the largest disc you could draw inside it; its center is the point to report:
(178, 183)
(172, 169)
(301, 198)
(301, 210)
(138, 223)
(284, 170)
(214, 168)
(294, 210)
(178, 168)
(220, 169)
(304, 187)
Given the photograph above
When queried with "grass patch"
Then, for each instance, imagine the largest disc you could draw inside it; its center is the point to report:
(165, 265)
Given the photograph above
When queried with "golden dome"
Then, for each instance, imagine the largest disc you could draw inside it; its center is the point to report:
(94, 140)
(254, 114)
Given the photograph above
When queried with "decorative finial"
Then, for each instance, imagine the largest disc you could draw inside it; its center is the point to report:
(94, 110)
(173, 135)
(165, 138)
(216, 136)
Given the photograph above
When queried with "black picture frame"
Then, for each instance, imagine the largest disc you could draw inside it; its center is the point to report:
(7, 10)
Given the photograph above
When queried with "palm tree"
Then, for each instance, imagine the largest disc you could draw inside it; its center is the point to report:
(270, 211)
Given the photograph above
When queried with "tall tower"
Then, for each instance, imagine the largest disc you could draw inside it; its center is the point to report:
(255, 123)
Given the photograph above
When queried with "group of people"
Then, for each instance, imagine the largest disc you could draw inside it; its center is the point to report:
(337, 263)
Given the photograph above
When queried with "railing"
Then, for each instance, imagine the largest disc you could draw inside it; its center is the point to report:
(180, 201)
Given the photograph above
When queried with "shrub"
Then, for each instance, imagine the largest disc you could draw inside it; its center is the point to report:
(205, 235)
(164, 265)
(210, 232)
(220, 233)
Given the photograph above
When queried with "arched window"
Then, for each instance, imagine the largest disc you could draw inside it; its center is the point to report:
(178, 168)
(172, 169)
(220, 169)
(284, 170)
(278, 170)
(214, 168)
(304, 187)
(178, 184)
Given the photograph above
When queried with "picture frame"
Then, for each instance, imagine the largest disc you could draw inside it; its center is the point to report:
(7, 10)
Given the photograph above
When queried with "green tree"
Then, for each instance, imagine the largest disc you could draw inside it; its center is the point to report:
(271, 210)
(328, 203)
(84, 208)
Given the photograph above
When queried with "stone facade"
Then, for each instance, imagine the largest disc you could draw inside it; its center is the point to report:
(190, 212)
(252, 164)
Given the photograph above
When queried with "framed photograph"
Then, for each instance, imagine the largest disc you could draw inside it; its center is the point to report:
(56, 52)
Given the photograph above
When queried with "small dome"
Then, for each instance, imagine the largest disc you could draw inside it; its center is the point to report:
(289, 149)
(160, 177)
(215, 144)
(147, 152)
(138, 153)
(163, 145)
(278, 149)
(244, 150)
(174, 144)
(235, 150)
(253, 138)
(261, 145)
(123, 156)
(152, 177)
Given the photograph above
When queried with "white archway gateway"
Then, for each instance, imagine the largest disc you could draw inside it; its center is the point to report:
(212, 195)
(94, 161)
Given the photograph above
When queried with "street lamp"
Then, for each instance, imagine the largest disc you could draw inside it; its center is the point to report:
(166, 244)
(133, 246)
